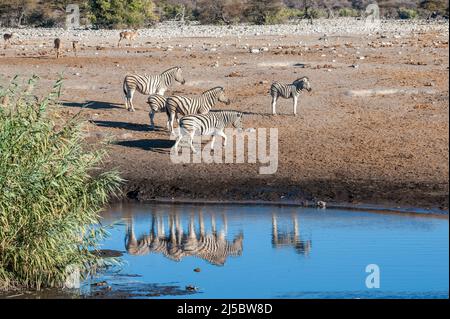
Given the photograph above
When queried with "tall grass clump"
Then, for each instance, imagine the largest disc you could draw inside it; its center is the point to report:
(50, 192)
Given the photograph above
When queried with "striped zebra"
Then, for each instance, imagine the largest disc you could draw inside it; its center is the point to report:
(180, 105)
(285, 238)
(288, 91)
(210, 246)
(212, 123)
(215, 248)
(157, 104)
(150, 84)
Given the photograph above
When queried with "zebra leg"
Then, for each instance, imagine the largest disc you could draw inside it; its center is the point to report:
(179, 137)
(274, 104)
(212, 142)
(222, 134)
(130, 101)
(295, 105)
(172, 119)
(191, 135)
(152, 122)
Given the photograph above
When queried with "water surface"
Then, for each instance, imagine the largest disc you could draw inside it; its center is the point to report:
(276, 252)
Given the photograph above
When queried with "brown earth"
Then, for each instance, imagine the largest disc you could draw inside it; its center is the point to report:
(384, 149)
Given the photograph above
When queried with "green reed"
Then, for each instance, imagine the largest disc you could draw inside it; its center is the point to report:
(51, 191)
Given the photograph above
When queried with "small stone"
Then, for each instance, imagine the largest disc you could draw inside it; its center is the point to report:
(191, 288)
(321, 204)
(100, 284)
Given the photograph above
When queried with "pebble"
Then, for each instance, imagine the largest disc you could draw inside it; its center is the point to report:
(321, 204)
(191, 288)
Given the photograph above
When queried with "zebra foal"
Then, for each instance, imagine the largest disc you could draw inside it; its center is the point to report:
(181, 105)
(212, 123)
(288, 91)
(150, 84)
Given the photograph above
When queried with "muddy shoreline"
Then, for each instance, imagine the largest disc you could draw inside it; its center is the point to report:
(430, 198)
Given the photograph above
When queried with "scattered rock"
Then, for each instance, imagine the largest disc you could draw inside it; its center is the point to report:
(234, 75)
(321, 204)
(100, 284)
(191, 288)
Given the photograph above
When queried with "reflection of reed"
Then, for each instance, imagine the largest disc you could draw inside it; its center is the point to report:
(289, 238)
(211, 246)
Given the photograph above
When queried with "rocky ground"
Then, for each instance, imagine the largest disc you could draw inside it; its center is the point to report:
(373, 130)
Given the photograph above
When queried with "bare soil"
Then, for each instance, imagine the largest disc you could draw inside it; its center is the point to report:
(383, 149)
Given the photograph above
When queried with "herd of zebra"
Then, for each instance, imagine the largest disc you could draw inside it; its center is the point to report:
(176, 243)
(195, 114)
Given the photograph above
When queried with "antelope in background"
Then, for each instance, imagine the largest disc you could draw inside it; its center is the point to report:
(127, 35)
(7, 38)
(58, 47)
(75, 45)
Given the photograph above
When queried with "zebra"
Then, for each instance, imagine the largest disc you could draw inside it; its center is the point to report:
(212, 123)
(288, 91)
(150, 84)
(157, 103)
(210, 246)
(285, 238)
(176, 105)
(128, 35)
(215, 248)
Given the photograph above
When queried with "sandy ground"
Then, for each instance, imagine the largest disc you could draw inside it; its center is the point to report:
(383, 149)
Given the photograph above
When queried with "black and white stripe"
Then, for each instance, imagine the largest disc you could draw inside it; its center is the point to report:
(212, 247)
(150, 84)
(181, 105)
(157, 104)
(289, 91)
(216, 249)
(212, 123)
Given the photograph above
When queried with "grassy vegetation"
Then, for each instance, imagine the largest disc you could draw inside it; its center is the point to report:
(50, 194)
(407, 13)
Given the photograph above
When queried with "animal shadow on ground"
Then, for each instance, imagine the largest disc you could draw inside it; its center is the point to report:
(95, 105)
(129, 126)
(156, 145)
(123, 125)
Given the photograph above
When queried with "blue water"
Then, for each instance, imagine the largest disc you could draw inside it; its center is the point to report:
(311, 253)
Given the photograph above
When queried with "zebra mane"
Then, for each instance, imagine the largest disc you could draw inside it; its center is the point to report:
(217, 88)
(171, 70)
(301, 79)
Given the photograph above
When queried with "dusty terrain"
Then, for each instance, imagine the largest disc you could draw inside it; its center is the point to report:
(381, 149)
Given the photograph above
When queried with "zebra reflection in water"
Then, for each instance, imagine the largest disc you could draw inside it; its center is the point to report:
(289, 238)
(210, 246)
